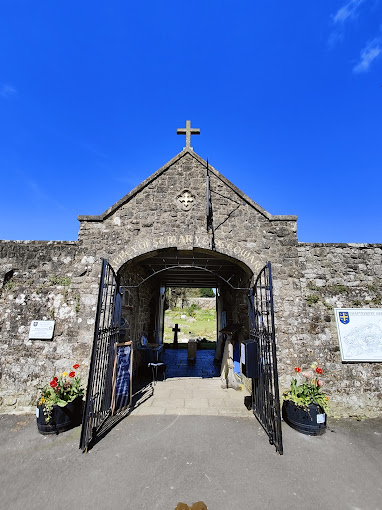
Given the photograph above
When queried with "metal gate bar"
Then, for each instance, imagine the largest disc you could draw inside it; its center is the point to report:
(106, 335)
(265, 388)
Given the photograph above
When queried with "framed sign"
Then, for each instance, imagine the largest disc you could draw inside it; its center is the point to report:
(359, 333)
(41, 330)
(122, 376)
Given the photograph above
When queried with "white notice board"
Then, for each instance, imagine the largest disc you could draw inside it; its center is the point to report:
(359, 333)
(41, 330)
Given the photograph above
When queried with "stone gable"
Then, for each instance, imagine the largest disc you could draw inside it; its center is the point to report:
(151, 217)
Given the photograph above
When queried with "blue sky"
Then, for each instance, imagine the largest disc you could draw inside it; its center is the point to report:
(287, 96)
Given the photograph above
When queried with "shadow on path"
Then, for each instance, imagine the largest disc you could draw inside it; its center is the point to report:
(143, 390)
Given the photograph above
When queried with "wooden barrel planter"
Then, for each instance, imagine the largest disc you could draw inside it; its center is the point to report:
(310, 420)
(62, 418)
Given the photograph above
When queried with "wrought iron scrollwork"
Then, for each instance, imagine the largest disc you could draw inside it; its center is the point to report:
(265, 389)
(106, 335)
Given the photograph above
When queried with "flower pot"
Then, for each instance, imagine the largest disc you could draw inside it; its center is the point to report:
(62, 418)
(310, 420)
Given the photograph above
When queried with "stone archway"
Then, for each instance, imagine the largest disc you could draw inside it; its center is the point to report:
(143, 277)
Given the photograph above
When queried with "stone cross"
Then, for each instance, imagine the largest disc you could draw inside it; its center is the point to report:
(188, 131)
(176, 331)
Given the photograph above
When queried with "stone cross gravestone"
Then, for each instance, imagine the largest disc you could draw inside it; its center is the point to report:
(176, 330)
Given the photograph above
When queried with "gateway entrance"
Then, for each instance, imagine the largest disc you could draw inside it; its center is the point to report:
(132, 307)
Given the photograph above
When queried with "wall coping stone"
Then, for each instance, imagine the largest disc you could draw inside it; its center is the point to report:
(339, 245)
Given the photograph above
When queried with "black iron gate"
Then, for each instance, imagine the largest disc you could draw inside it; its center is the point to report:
(265, 388)
(106, 334)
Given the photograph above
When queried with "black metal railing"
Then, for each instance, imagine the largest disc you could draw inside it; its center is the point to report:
(106, 335)
(265, 389)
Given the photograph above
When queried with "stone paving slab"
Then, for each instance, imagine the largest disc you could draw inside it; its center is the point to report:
(193, 396)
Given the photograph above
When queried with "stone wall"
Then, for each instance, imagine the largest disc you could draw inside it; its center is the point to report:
(336, 276)
(205, 303)
(46, 280)
(43, 281)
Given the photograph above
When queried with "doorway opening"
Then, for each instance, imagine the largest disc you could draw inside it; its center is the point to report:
(191, 314)
(109, 374)
(190, 332)
(181, 300)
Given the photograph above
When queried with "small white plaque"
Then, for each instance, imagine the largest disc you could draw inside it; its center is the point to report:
(42, 330)
(37, 412)
(321, 418)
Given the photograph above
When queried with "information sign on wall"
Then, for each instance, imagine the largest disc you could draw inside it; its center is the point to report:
(41, 330)
(359, 333)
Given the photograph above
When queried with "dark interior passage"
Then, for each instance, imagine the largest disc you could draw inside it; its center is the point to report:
(144, 281)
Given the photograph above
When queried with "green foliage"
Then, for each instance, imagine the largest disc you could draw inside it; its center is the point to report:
(206, 292)
(377, 300)
(64, 281)
(305, 394)
(77, 305)
(60, 391)
(39, 289)
(191, 310)
(357, 302)
(9, 285)
(308, 390)
(338, 289)
(329, 307)
(312, 299)
(312, 286)
(177, 295)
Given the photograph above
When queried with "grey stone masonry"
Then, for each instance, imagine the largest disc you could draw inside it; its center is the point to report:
(167, 212)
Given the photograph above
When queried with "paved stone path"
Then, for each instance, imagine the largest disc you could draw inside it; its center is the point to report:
(190, 388)
(191, 396)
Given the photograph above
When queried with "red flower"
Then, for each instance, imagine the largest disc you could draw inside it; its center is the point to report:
(319, 370)
(55, 379)
(297, 369)
(75, 366)
(72, 374)
(53, 383)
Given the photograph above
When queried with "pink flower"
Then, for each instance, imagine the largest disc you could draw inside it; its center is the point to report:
(306, 374)
(319, 383)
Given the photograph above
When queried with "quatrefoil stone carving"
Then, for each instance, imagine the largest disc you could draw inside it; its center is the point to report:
(186, 200)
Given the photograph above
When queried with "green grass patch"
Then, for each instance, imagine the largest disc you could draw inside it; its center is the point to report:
(199, 323)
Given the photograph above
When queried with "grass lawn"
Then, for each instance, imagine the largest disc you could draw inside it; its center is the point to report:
(192, 324)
